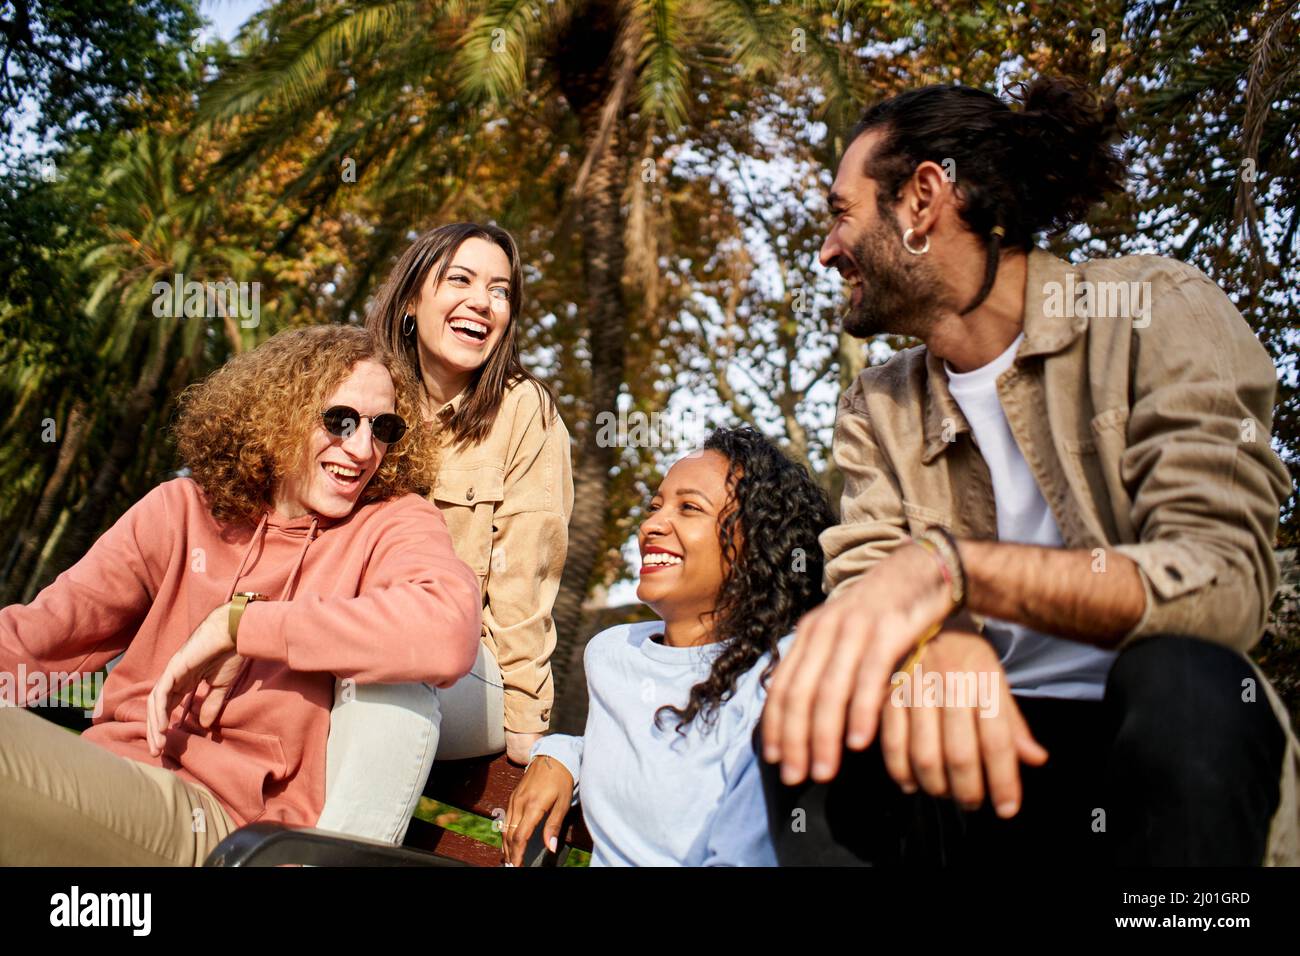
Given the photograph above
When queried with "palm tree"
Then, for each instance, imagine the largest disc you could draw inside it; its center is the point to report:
(414, 93)
(153, 230)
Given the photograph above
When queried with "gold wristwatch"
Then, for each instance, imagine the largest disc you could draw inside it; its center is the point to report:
(238, 602)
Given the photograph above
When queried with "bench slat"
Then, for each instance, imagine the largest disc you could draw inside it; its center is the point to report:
(481, 786)
(427, 836)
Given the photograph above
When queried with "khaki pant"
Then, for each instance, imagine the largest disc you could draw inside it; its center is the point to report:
(65, 801)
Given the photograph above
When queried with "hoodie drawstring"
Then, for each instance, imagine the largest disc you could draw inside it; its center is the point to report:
(258, 534)
(297, 568)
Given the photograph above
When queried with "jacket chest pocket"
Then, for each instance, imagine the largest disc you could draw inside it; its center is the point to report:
(468, 496)
(1093, 466)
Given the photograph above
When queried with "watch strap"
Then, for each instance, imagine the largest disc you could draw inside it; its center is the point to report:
(238, 604)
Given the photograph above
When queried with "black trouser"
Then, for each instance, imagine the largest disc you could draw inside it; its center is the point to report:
(1172, 767)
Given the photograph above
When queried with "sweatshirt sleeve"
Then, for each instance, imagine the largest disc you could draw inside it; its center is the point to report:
(738, 835)
(90, 612)
(417, 617)
(564, 748)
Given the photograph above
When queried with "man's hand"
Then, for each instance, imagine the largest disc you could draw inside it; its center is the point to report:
(952, 722)
(209, 655)
(546, 791)
(519, 746)
(840, 662)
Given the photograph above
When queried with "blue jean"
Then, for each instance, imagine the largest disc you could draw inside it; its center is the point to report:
(384, 738)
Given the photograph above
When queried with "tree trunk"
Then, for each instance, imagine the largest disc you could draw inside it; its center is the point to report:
(89, 520)
(588, 50)
(76, 429)
(852, 360)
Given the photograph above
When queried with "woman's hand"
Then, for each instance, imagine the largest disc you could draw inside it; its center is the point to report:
(209, 655)
(546, 791)
(519, 746)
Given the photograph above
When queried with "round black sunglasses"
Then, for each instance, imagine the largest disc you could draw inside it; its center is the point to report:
(343, 422)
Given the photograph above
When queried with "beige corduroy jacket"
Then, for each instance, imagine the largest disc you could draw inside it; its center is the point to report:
(507, 501)
(1143, 403)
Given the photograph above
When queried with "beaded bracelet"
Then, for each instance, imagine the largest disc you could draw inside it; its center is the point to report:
(933, 548)
(944, 546)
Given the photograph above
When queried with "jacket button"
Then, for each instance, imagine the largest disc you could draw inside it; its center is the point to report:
(469, 495)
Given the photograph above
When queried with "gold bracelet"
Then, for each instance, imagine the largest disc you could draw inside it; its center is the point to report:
(916, 652)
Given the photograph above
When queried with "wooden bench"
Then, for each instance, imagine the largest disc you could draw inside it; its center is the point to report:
(481, 786)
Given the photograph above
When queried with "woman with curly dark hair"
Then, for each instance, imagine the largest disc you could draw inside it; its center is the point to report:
(294, 553)
(730, 561)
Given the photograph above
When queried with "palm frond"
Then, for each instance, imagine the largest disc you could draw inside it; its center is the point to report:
(492, 61)
(757, 35)
(307, 57)
(662, 73)
(1271, 69)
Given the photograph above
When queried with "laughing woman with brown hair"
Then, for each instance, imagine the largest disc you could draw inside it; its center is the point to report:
(450, 310)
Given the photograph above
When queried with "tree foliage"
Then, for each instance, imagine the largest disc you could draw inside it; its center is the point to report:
(76, 65)
(663, 164)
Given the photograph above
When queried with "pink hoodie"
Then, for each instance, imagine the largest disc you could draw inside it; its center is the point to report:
(379, 596)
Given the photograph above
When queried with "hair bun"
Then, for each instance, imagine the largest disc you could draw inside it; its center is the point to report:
(1067, 133)
(1028, 171)
(1070, 106)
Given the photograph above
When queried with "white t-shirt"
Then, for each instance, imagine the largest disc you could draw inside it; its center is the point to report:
(1037, 665)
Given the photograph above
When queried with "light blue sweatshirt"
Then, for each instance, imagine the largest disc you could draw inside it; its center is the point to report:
(651, 796)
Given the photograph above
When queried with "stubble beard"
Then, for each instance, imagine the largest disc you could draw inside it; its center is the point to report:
(902, 294)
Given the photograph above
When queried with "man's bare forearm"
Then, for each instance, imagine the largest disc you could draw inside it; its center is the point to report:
(1091, 597)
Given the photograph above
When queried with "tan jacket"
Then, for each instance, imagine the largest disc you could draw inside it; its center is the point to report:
(1148, 436)
(507, 502)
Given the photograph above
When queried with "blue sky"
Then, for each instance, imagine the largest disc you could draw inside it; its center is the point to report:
(225, 16)
(228, 15)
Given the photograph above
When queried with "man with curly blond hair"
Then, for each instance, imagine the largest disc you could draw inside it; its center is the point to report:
(298, 550)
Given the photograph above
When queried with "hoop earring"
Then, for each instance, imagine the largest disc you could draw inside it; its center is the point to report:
(907, 244)
(408, 325)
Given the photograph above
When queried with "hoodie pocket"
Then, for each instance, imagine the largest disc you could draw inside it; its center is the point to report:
(250, 764)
